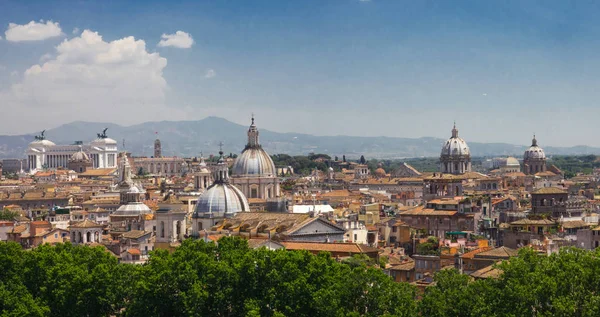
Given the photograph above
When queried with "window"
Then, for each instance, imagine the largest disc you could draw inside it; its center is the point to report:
(254, 193)
(56, 236)
(355, 237)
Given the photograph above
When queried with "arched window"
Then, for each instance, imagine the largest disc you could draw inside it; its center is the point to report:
(80, 240)
(162, 229)
(88, 237)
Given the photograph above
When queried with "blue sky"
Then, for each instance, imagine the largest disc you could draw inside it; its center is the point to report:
(502, 69)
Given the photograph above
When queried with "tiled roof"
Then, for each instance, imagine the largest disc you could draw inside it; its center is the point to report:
(549, 190)
(329, 247)
(487, 272)
(471, 254)
(134, 234)
(420, 211)
(134, 251)
(98, 172)
(501, 252)
(86, 224)
(19, 229)
(575, 224)
(525, 222)
(408, 266)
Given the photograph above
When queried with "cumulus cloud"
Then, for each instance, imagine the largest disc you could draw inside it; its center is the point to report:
(32, 31)
(180, 40)
(91, 79)
(210, 73)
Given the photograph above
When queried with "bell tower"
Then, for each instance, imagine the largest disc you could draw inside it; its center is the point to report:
(157, 147)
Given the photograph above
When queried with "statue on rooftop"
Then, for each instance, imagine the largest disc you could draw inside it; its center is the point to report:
(41, 136)
(103, 134)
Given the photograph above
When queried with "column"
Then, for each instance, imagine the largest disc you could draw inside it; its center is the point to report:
(84, 237)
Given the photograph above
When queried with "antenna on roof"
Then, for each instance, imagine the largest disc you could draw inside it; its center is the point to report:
(123, 143)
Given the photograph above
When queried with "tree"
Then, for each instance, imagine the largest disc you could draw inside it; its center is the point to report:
(362, 159)
(6, 214)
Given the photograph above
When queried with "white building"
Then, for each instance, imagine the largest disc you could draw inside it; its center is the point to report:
(43, 153)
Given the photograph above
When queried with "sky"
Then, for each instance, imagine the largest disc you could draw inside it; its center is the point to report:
(502, 70)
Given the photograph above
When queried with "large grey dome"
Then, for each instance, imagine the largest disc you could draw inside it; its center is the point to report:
(221, 199)
(254, 162)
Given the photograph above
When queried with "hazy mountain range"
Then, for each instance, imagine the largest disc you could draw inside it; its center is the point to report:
(189, 138)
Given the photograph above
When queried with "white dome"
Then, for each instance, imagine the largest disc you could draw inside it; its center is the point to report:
(512, 162)
(455, 146)
(534, 152)
(254, 161)
(41, 143)
(79, 156)
(221, 199)
(104, 141)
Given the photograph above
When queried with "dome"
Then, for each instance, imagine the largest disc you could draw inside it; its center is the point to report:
(79, 156)
(254, 162)
(512, 162)
(104, 141)
(455, 146)
(133, 209)
(380, 172)
(534, 152)
(221, 199)
(42, 143)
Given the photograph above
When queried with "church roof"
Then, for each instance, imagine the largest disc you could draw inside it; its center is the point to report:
(86, 224)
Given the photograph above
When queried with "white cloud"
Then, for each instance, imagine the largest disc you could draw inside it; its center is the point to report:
(75, 31)
(32, 31)
(180, 40)
(45, 57)
(210, 73)
(90, 79)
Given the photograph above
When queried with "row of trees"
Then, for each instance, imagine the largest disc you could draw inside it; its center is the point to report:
(229, 279)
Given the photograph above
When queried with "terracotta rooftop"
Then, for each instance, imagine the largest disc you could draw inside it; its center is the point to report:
(408, 266)
(549, 190)
(487, 272)
(86, 224)
(420, 211)
(525, 222)
(471, 254)
(349, 248)
(501, 252)
(134, 234)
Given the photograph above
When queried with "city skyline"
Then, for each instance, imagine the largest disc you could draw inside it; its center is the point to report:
(502, 71)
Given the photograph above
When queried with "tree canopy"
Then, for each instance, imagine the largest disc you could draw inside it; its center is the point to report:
(230, 279)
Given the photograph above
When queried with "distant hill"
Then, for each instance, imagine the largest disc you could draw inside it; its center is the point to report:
(189, 138)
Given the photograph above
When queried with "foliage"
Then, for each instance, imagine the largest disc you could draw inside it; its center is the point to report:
(302, 165)
(230, 279)
(431, 247)
(6, 214)
(198, 279)
(572, 165)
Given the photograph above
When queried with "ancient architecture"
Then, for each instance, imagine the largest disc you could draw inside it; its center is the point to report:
(130, 215)
(455, 157)
(253, 171)
(80, 162)
(219, 201)
(534, 159)
(45, 154)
